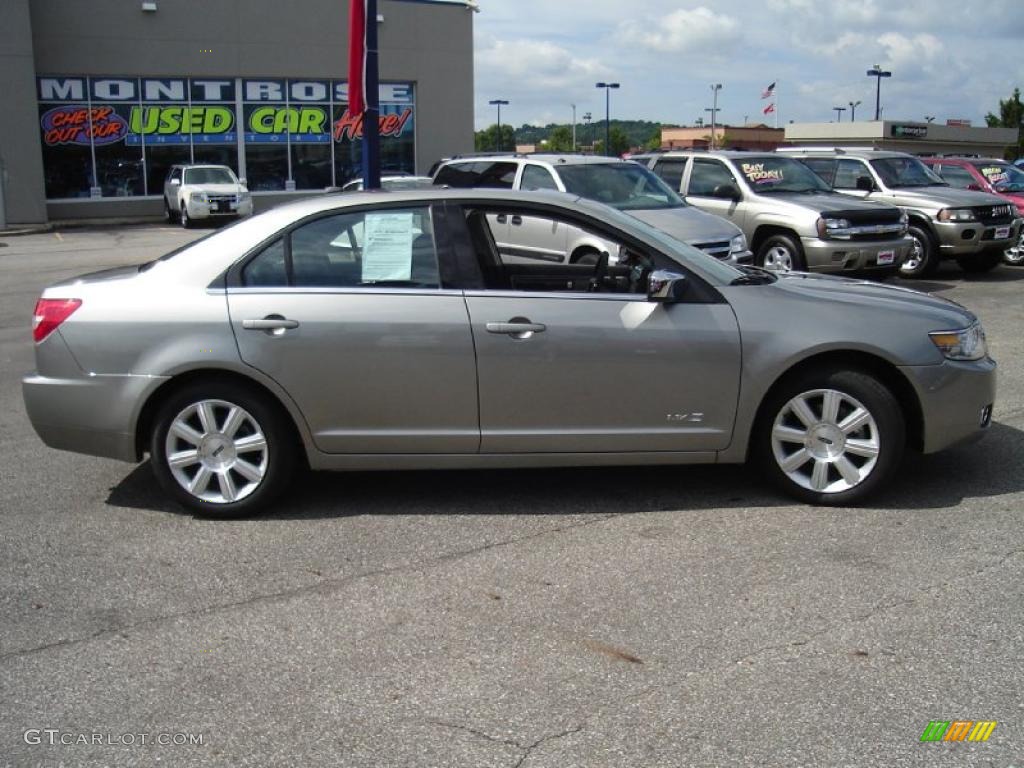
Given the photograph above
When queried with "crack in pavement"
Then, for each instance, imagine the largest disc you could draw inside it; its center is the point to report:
(323, 587)
(527, 749)
(806, 639)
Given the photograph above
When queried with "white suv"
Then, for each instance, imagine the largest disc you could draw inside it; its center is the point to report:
(622, 184)
(194, 192)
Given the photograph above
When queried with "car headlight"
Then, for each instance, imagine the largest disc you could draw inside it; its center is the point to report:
(198, 197)
(738, 244)
(829, 226)
(956, 214)
(968, 344)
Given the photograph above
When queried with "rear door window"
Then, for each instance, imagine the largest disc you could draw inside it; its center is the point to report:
(537, 177)
(824, 167)
(670, 169)
(847, 173)
(706, 175)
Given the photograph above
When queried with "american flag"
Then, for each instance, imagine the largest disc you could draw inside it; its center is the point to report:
(769, 109)
(357, 57)
(767, 93)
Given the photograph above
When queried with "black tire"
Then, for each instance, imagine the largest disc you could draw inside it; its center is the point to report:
(183, 216)
(168, 213)
(980, 262)
(1014, 255)
(781, 253)
(585, 255)
(275, 462)
(923, 259)
(827, 442)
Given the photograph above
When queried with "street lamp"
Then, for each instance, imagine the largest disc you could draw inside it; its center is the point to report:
(573, 127)
(878, 73)
(929, 118)
(715, 88)
(498, 103)
(853, 109)
(607, 125)
(839, 113)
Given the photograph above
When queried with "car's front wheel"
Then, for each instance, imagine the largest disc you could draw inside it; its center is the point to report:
(221, 450)
(831, 437)
(1014, 255)
(186, 221)
(923, 258)
(781, 253)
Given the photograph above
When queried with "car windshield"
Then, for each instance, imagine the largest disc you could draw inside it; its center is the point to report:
(208, 176)
(626, 186)
(768, 174)
(906, 172)
(1002, 176)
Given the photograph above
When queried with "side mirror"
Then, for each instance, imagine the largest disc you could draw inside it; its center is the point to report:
(175, 182)
(665, 286)
(865, 184)
(726, 192)
(243, 181)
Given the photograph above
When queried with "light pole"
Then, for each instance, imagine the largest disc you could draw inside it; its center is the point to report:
(699, 122)
(715, 88)
(853, 109)
(839, 113)
(878, 73)
(498, 103)
(590, 134)
(573, 127)
(607, 124)
(929, 118)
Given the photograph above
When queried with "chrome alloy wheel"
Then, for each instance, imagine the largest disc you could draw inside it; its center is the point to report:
(1014, 255)
(778, 259)
(915, 258)
(216, 451)
(825, 441)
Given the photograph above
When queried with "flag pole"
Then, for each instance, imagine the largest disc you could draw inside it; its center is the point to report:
(371, 116)
(776, 103)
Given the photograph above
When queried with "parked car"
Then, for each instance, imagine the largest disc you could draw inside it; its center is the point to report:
(945, 223)
(194, 192)
(997, 177)
(619, 183)
(792, 220)
(403, 181)
(386, 331)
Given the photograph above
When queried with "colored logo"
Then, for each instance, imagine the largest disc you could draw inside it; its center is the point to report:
(76, 124)
(958, 730)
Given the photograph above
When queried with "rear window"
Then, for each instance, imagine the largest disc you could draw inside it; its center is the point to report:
(496, 175)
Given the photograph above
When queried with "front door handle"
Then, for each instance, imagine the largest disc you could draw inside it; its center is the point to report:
(501, 218)
(517, 220)
(273, 325)
(517, 328)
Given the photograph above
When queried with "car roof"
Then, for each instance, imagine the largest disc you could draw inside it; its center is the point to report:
(552, 158)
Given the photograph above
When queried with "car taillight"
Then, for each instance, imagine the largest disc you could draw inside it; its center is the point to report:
(49, 314)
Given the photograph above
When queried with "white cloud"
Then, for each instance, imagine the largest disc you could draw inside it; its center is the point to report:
(538, 63)
(682, 30)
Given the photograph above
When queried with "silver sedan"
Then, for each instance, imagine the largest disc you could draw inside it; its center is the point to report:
(385, 331)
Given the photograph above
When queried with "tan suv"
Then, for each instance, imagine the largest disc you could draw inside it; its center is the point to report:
(975, 228)
(792, 219)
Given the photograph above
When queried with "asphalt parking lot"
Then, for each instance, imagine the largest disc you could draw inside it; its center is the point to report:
(589, 617)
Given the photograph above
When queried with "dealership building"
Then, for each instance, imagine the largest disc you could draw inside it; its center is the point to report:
(103, 96)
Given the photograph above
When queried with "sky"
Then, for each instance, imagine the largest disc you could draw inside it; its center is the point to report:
(948, 58)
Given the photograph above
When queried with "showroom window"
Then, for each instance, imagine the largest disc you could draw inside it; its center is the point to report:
(119, 136)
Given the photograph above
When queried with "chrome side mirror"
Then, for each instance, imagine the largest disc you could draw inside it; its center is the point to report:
(665, 286)
(175, 182)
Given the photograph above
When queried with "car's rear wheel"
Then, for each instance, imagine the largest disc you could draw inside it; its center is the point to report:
(221, 450)
(980, 262)
(923, 258)
(585, 255)
(1014, 255)
(831, 437)
(186, 221)
(781, 253)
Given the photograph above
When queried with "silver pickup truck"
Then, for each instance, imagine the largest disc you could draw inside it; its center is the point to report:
(975, 228)
(792, 219)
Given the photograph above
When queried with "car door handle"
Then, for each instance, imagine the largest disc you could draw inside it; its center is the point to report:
(517, 328)
(517, 220)
(501, 218)
(270, 323)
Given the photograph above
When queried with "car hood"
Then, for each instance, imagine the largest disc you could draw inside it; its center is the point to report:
(215, 189)
(947, 197)
(688, 224)
(874, 296)
(826, 202)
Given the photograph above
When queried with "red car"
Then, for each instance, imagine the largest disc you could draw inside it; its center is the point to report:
(987, 175)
